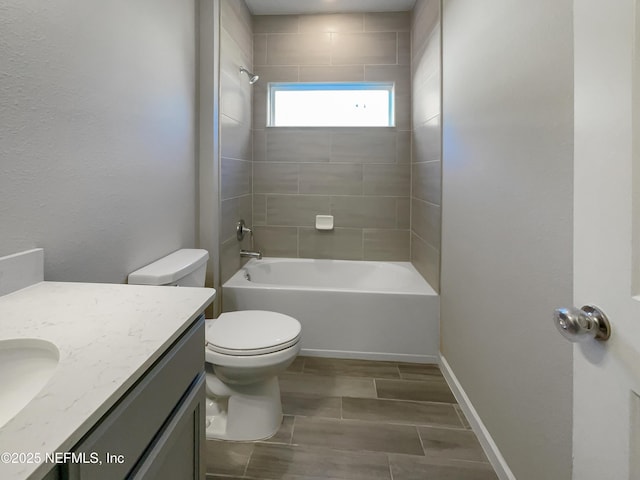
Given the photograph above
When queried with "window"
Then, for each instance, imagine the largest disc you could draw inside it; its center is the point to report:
(368, 104)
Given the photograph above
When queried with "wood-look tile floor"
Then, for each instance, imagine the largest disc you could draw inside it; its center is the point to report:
(359, 420)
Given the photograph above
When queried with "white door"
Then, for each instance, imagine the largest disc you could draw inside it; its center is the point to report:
(606, 238)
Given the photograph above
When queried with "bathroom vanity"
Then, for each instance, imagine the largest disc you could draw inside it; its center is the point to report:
(126, 397)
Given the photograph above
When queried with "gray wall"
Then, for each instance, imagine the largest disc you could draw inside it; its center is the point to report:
(236, 49)
(97, 121)
(507, 222)
(359, 175)
(426, 165)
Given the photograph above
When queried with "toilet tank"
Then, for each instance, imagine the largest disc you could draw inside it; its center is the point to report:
(184, 268)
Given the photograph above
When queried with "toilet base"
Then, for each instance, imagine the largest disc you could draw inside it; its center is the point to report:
(242, 412)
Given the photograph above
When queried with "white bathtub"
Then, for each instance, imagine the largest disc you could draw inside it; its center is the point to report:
(348, 309)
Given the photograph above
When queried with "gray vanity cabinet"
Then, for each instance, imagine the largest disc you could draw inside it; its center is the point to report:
(156, 430)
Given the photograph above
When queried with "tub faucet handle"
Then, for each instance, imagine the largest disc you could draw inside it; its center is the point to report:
(241, 230)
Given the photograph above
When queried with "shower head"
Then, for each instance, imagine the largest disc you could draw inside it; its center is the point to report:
(253, 78)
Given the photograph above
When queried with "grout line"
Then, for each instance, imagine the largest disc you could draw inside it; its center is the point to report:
(246, 467)
(293, 426)
(304, 364)
(421, 442)
(389, 465)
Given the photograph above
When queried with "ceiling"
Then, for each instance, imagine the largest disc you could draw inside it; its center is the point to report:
(283, 7)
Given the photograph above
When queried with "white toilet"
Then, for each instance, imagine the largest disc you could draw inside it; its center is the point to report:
(244, 353)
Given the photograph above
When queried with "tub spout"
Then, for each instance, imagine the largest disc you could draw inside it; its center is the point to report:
(248, 254)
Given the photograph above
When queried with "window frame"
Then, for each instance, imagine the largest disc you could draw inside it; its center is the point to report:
(273, 87)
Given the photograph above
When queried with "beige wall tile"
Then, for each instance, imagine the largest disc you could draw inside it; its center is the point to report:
(427, 141)
(235, 138)
(426, 19)
(275, 24)
(399, 74)
(364, 212)
(232, 210)
(259, 50)
(341, 243)
(276, 241)
(299, 49)
(274, 74)
(235, 178)
(404, 48)
(364, 48)
(403, 209)
(426, 222)
(426, 259)
(272, 177)
(331, 162)
(331, 179)
(291, 145)
(387, 22)
(332, 23)
(393, 180)
(403, 147)
(403, 112)
(236, 19)
(259, 110)
(426, 99)
(426, 61)
(374, 146)
(259, 145)
(296, 210)
(386, 245)
(235, 52)
(426, 181)
(347, 73)
(230, 261)
(235, 97)
(259, 209)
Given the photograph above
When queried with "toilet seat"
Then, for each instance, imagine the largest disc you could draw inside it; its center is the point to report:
(251, 332)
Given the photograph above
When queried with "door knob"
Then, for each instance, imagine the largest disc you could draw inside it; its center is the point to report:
(587, 322)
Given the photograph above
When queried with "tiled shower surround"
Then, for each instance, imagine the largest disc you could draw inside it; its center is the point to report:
(361, 176)
(426, 161)
(235, 130)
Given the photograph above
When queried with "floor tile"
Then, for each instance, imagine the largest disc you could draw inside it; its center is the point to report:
(400, 411)
(227, 458)
(415, 371)
(406, 467)
(463, 419)
(223, 477)
(351, 367)
(329, 386)
(283, 435)
(311, 405)
(452, 444)
(355, 435)
(289, 462)
(421, 391)
(297, 366)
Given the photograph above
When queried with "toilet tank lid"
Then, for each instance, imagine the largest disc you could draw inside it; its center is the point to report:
(171, 268)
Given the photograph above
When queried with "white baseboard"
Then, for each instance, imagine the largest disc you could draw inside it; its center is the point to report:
(496, 459)
(380, 356)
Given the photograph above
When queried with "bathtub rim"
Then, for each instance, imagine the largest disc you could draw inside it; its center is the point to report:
(238, 279)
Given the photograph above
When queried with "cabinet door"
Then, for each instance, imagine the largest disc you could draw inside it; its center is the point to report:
(178, 453)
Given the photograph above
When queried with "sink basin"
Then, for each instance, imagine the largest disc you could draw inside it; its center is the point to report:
(26, 365)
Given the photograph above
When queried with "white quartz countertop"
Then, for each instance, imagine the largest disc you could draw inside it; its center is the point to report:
(107, 335)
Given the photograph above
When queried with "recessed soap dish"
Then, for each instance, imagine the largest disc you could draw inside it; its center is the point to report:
(324, 222)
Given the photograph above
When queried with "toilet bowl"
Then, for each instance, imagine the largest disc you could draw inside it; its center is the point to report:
(244, 353)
